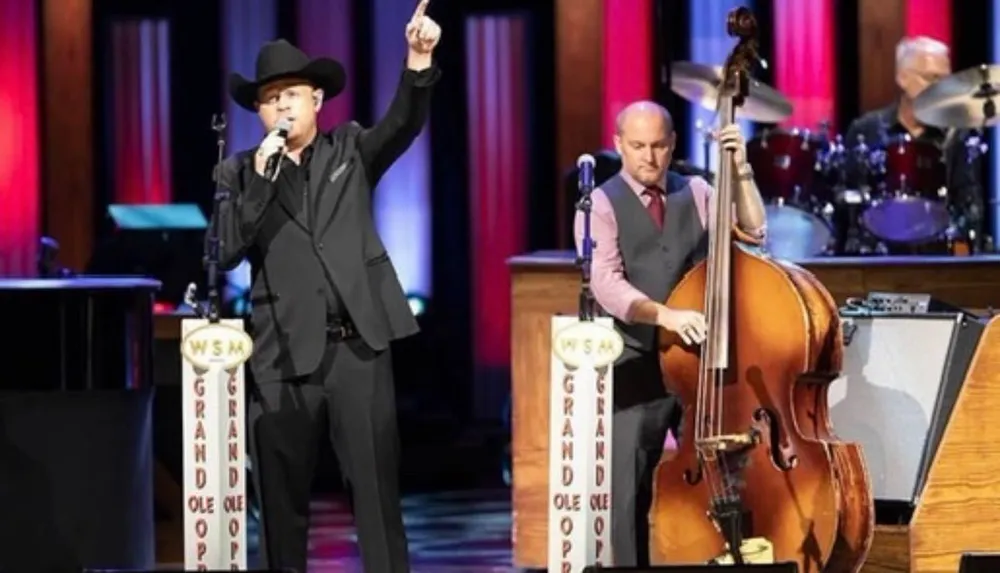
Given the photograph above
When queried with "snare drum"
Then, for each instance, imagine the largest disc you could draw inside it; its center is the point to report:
(785, 165)
(910, 205)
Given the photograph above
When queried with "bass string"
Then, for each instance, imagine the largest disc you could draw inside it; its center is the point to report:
(719, 318)
(721, 314)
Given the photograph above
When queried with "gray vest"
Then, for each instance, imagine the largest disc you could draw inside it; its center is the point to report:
(655, 260)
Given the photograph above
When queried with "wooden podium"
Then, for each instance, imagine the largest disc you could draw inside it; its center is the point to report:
(959, 511)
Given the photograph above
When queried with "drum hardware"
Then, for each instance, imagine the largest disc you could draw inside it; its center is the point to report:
(848, 170)
(964, 100)
(975, 147)
(910, 205)
(879, 196)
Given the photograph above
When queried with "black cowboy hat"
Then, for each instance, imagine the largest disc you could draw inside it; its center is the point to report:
(279, 60)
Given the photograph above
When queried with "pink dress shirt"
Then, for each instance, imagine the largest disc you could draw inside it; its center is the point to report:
(610, 287)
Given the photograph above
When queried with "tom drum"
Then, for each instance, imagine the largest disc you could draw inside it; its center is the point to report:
(786, 169)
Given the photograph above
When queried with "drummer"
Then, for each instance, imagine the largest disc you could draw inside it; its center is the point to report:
(920, 62)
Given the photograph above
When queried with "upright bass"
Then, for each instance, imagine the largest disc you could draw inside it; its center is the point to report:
(759, 475)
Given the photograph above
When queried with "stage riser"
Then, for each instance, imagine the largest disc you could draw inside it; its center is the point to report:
(900, 378)
(890, 552)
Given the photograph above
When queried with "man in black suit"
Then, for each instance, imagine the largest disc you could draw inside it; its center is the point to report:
(326, 298)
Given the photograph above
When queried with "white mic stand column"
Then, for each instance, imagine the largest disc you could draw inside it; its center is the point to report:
(584, 349)
(213, 354)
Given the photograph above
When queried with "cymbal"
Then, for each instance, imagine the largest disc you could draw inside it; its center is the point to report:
(958, 100)
(699, 84)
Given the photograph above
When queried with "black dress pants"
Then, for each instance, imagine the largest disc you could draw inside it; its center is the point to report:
(349, 400)
(643, 413)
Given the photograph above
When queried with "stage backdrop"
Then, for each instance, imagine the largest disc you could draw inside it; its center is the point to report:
(19, 139)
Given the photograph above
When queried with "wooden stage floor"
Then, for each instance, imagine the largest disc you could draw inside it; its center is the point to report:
(454, 532)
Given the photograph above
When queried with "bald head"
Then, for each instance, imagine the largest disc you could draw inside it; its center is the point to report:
(644, 137)
(920, 61)
(644, 111)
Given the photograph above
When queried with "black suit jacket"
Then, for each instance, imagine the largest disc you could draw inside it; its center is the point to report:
(293, 263)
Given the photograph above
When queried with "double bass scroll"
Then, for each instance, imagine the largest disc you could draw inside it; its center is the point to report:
(759, 475)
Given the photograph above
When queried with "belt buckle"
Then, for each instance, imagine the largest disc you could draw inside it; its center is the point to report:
(338, 332)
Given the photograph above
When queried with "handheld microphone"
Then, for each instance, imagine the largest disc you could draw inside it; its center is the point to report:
(585, 164)
(282, 128)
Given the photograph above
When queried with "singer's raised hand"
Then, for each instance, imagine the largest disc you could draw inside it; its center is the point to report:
(272, 144)
(422, 33)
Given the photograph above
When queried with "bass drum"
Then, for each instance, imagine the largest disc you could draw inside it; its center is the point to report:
(794, 234)
(912, 206)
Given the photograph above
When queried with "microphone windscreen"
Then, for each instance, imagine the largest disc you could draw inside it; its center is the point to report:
(284, 125)
(587, 159)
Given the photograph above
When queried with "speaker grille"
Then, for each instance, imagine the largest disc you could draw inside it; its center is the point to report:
(901, 376)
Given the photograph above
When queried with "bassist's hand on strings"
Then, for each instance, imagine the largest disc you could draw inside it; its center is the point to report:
(688, 324)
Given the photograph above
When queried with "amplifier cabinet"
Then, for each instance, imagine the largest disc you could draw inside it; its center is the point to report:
(900, 379)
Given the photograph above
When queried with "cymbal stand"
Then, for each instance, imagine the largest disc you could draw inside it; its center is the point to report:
(830, 151)
(975, 148)
(856, 164)
(987, 92)
(214, 310)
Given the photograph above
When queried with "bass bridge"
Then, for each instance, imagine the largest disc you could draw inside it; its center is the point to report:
(711, 447)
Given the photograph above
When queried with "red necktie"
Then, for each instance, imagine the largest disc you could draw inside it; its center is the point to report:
(655, 206)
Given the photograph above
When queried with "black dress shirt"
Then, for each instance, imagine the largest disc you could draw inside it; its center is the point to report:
(293, 180)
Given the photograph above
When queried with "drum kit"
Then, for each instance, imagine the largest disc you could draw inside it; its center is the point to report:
(828, 196)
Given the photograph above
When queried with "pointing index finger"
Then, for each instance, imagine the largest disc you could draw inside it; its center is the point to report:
(421, 8)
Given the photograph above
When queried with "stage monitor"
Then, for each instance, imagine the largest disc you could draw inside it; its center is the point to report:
(900, 379)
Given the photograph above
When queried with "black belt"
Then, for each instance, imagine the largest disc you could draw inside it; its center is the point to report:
(339, 330)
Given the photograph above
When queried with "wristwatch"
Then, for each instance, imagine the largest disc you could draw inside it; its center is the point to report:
(744, 172)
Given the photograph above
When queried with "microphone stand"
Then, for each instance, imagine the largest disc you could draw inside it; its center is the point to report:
(585, 260)
(211, 260)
